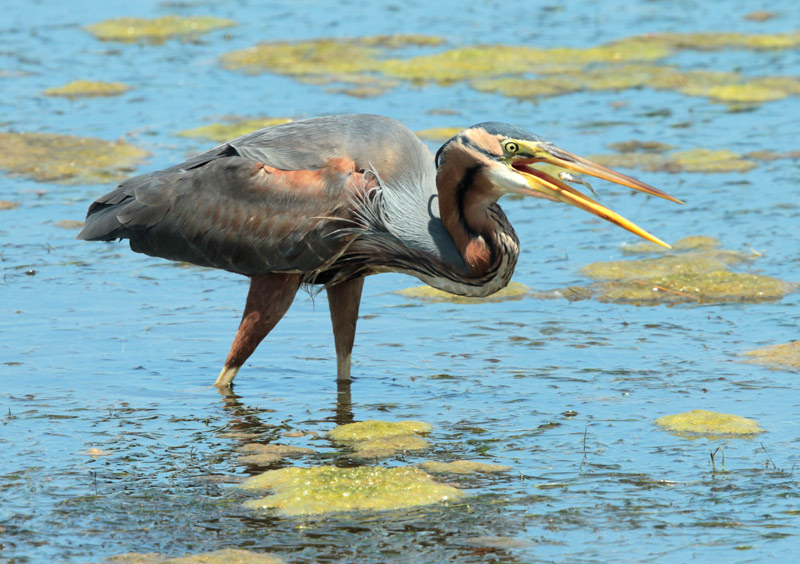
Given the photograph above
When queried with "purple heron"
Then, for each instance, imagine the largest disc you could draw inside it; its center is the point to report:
(329, 200)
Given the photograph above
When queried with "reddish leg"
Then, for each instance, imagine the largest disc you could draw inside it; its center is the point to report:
(268, 300)
(344, 300)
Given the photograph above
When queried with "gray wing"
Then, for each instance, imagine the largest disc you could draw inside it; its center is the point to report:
(275, 200)
(376, 143)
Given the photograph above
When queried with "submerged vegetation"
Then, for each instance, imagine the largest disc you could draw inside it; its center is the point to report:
(224, 556)
(258, 454)
(48, 157)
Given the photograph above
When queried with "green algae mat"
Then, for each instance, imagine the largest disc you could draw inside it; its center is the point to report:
(156, 30)
(322, 490)
(632, 62)
(49, 157)
(709, 423)
(87, 89)
(695, 271)
(784, 356)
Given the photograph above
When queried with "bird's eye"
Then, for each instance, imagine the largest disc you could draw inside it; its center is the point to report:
(511, 147)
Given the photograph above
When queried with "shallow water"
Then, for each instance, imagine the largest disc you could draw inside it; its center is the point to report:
(103, 348)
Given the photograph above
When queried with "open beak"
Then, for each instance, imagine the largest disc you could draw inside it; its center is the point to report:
(543, 185)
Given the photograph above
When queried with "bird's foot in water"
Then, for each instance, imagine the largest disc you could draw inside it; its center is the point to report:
(226, 376)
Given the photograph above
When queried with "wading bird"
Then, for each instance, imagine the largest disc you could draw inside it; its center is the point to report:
(333, 199)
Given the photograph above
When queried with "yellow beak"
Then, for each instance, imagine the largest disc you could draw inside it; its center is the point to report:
(543, 185)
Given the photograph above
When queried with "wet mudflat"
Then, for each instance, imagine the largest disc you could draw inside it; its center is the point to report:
(538, 408)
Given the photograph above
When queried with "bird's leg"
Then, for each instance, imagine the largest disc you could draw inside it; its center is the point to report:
(268, 300)
(344, 300)
(344, 403)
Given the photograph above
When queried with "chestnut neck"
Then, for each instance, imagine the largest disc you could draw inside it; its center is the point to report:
(465, 197)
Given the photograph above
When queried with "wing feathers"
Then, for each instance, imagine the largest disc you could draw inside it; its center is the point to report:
(232, 213)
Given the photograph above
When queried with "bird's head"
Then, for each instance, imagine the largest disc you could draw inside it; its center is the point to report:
(510, 161)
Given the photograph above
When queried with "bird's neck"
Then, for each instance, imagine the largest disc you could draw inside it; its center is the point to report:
(465, 199)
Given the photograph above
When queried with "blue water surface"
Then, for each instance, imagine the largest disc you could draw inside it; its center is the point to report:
(104, 348)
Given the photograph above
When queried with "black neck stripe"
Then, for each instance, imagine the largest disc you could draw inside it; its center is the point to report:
(463, 187)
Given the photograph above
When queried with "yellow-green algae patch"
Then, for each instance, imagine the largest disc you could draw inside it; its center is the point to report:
(710, 287)
(313, 57)
(785, 356)
(359, 55)
(554, 80)
(388, 446)
(702, 422)
(463, 467)
(68, 224)
(692, 262)
(695, 270)
(787, 84)
(760, 16)
(524, 88)
(373, 429)
(691, 160)
(224, 556)
(504, 69)
(455, 64)
(379, 439)
(440, 134)
(710, 160)
(224, 131)
(321, 56)
(327, 489)
(649, 162)
(260, 459)
(49, 157)
(639, 146)
(400, 40)
(156, 29)
(88, 89)
(745, 93)
(708, 41)
(484, 61)
(514, 291)
(693, 242)
(379, 88)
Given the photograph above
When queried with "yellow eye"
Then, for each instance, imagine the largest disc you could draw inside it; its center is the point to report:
(511, 147)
